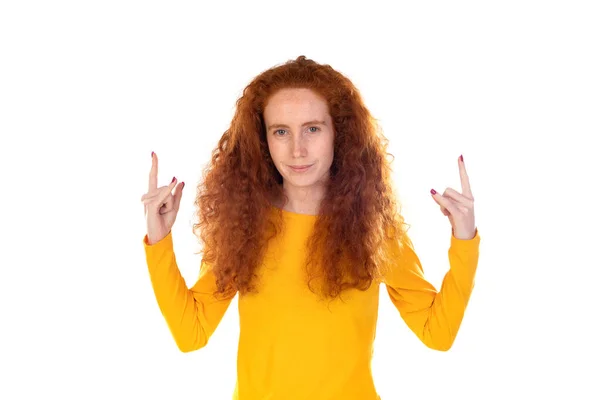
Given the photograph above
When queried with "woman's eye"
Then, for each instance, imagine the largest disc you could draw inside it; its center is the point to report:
(315, 128)
(279, 130)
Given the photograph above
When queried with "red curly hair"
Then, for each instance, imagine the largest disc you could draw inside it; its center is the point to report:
(357, 213)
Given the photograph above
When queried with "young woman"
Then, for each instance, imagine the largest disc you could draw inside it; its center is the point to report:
(298, 217)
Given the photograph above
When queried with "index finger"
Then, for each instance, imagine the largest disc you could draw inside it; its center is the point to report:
(464, 178)
(153, 181)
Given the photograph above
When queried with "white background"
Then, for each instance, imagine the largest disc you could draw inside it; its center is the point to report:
(89, 89)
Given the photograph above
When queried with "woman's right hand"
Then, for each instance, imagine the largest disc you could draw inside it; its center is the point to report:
(160, 205)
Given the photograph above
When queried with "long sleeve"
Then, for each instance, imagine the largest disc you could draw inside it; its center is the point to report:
(434, 316)
(191, 314)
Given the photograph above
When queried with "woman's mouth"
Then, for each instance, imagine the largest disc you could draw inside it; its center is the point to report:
(299, 168)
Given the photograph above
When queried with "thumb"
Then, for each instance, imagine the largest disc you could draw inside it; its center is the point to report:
(174, 200)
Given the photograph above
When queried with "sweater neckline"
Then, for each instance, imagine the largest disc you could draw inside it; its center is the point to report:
(290, 214)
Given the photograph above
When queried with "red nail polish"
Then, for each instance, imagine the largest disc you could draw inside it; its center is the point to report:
(461, 158)
(433, 191)
(182, 185)
(152, 155)
(173, 180)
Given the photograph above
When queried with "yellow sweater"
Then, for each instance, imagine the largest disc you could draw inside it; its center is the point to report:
(294, 346)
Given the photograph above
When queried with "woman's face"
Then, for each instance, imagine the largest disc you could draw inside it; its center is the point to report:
(300, 134)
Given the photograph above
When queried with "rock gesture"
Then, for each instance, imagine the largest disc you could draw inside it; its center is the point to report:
(458, 207)
(160, 204)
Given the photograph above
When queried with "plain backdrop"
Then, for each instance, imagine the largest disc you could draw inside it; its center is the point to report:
(89, 89)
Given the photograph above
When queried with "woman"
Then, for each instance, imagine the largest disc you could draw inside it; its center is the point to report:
(297, 215)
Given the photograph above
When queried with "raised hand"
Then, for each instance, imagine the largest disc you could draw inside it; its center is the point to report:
(459, 207)
(160, 205)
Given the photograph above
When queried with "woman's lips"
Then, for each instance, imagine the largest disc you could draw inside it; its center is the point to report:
(300, 168)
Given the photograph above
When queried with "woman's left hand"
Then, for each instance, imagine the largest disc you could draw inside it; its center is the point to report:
(458, 207)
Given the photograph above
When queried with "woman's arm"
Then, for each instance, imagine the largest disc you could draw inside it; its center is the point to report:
(434, 316)
(191, 314)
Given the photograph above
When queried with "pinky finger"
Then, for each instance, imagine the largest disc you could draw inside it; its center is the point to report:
(444, 202)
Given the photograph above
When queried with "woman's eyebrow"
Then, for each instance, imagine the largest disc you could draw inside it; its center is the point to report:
(313, 122)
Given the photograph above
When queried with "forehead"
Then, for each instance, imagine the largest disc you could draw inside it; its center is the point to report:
(295, 104)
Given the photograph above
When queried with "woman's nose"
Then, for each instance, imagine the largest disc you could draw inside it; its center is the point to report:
(298, 147)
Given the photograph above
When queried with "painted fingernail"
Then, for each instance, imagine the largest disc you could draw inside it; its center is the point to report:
(182, 185)
(461, 158)
(152, 155)
(433, 191)
(173, 180)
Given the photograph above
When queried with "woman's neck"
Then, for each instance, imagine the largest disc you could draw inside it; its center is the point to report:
(302, 200)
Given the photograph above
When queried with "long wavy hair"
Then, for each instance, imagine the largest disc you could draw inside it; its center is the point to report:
(358, 212)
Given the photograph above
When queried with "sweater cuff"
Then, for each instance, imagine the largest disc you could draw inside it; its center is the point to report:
(159, 247)
(465, 245)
